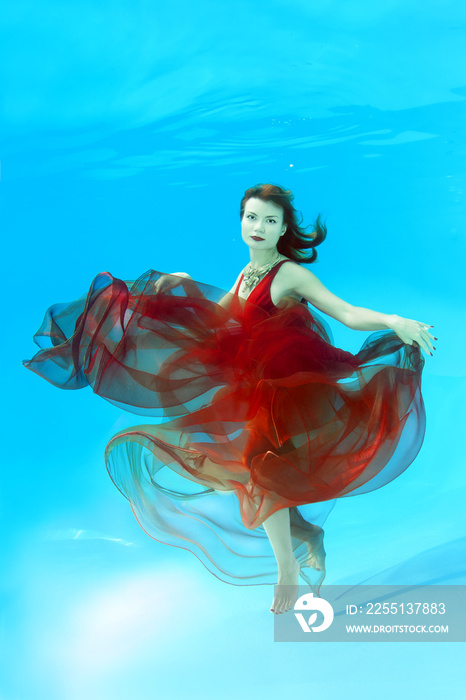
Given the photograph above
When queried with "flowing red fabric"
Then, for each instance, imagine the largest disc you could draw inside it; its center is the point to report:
(260, 412)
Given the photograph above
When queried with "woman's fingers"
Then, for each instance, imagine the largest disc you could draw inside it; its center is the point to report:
(166, 282)
(426, 338)
(424, 342)
(411, 331)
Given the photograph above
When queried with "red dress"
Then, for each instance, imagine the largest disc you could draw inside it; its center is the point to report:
(261, 411)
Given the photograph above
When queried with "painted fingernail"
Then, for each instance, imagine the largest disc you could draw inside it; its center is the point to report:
(434, 347)
(435, 338)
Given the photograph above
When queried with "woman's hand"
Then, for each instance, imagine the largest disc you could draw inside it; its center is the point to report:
(411, 331)
(166, 282)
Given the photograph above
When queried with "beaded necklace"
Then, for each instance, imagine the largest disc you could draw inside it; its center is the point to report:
(252, 276)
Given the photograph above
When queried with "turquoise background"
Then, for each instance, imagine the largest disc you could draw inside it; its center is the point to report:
(129, 133)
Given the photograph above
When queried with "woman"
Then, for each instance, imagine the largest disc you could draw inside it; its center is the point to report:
(263, 410)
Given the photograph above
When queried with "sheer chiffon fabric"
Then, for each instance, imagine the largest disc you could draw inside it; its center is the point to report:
(257, 411)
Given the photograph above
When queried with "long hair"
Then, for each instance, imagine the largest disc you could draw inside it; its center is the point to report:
(295, 240)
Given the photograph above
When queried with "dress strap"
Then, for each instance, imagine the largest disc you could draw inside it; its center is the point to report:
(239, 283)
(274, 271)
(278, 266)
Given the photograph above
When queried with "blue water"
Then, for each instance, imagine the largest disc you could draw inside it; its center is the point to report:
(129, 133)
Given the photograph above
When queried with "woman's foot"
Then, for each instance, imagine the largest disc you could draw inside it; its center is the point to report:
(315, 545)
(286, 591)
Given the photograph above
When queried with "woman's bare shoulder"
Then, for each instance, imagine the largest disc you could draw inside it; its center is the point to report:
(290, 260)
(290, 267)
(236, 281)
(293, 278)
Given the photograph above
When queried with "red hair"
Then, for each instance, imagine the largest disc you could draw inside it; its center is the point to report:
(296, 239)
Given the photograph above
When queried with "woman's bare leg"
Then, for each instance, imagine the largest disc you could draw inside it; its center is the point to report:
(277, 527)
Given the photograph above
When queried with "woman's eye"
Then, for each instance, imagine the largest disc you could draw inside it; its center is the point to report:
(251, 216)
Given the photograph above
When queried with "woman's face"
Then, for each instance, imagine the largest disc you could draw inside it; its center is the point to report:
(262, 224)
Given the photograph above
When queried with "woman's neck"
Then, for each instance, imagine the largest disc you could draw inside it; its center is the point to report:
(261, 258)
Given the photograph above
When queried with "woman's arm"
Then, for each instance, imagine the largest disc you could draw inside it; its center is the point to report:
(307, 285)
(362, 319)
(176, 279)
(302, 281)
(166, 282)
(225, 301)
